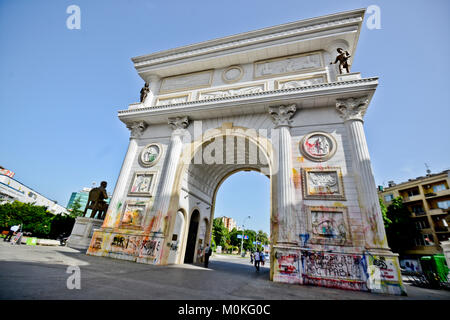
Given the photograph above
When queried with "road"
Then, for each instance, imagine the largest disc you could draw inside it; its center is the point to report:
(40, 272)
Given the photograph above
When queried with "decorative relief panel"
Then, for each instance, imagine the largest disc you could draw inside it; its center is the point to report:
(323, 183)
(162, 101)
(318, 146)
(142, 184)
(232, 74)
(150, 155)
(133, 215)
(300, 82)
(287, 65)
(187, 81)
(328, 225)
(229, 92)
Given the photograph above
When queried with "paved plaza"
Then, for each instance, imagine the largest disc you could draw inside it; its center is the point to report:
(40, 272)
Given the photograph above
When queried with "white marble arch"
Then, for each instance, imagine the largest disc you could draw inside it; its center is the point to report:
(337, 104)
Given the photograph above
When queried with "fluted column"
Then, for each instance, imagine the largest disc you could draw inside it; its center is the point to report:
(164, 193)
(352, 111)
(115, 205)
(281, 117)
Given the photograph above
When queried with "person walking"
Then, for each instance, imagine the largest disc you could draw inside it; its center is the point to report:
(262, 258)
(11, 232)
(251, 257)
(257, 260)
(208, 252)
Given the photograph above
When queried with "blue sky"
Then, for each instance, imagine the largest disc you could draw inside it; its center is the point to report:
(60, 89)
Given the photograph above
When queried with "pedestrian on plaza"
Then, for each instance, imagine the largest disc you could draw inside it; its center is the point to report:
(262, 258)
(251, 257)
(208, 252)
(257, 259)
(11, 232)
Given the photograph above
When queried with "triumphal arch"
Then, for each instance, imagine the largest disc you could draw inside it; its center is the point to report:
(268, 100)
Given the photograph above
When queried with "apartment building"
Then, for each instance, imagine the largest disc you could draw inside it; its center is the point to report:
(428, 200)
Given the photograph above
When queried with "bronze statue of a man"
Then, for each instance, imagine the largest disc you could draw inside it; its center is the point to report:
(144, 92)
(96, 201)
(342, 58)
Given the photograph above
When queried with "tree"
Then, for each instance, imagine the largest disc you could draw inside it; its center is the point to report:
(61, 224)
(220, 233)
(75, 208)
(34, 219)
(400, 228)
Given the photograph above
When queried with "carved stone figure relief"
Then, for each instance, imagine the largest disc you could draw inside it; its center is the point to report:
(318, 146)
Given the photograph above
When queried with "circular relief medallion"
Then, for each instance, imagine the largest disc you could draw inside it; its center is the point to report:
(232, 74)
(318, 146)
(150, 154)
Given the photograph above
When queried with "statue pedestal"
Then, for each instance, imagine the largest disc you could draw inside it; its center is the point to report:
(349, 76)
(82, 232)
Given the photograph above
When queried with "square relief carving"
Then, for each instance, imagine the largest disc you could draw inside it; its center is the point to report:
(323, 183)
(328, 225)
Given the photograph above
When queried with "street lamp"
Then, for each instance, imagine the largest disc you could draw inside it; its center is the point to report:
(242, 239)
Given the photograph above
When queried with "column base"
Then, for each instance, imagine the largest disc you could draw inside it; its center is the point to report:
(367, 271)
(131, 245)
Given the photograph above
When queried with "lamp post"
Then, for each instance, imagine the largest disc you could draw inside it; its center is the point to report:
(242, 239)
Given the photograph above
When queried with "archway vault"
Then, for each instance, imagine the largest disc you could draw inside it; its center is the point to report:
(199, 178)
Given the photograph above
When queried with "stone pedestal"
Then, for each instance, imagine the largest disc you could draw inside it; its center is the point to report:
(82, 232)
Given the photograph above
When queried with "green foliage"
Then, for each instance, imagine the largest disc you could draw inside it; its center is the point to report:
(75, 208)
(220, 233)
(386, 220)
(230, 241)
(400, 228)
(34, 219)
(61, 224)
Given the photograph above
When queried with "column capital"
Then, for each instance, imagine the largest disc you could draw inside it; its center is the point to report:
(352, 108)
(281, 115)
(137, 128)
(178, 123)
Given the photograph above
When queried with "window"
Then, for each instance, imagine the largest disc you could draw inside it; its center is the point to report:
(424, 240)
(418, 210)
(444, 204)
(388, 197)
(422, 224)
(439, 187)
(413, 192)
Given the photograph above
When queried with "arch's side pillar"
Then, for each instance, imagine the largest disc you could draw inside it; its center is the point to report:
(281, 116)
(157, 224)
(111, 219)
(164, 193)
(352, 111)
(383, 268)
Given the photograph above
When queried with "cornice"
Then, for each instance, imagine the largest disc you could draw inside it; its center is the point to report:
(319, 89)
(293, 29)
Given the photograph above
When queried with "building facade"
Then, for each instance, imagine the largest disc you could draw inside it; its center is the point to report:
(229, 223)
(13, 190)
(428, 200)
(267, 100)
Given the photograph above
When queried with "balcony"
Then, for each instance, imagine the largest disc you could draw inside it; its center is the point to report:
(437, 211)
(441, 193)
(441, 229)
(412, 198)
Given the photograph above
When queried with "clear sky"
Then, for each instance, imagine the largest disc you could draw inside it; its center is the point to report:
(60, 89)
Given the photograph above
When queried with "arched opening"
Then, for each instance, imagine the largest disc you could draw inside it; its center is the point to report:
(177, 236)
(240, 195)
(214, 158)
(192, 237)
